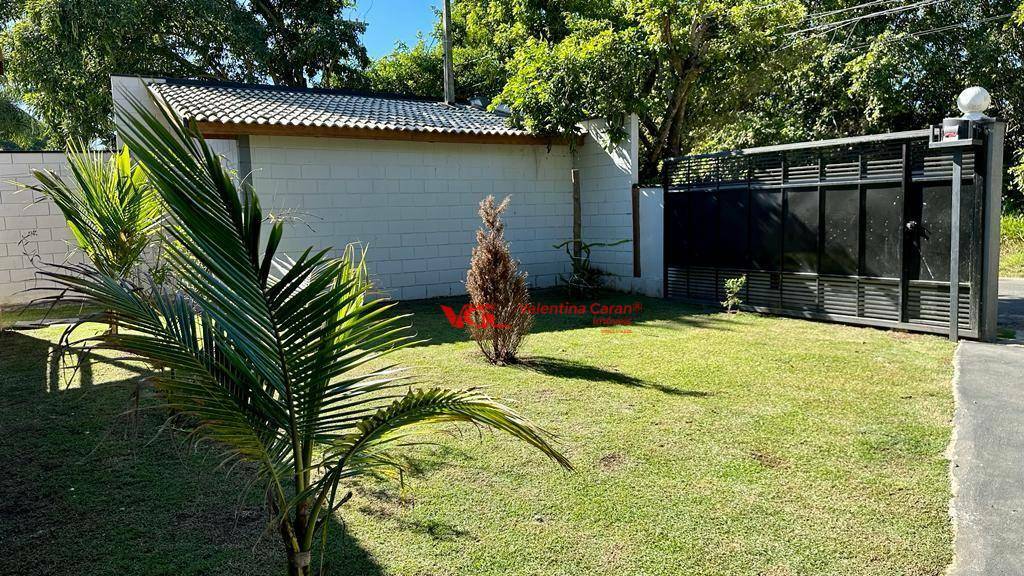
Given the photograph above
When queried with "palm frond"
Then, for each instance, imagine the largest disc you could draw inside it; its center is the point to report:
(110, 208)
(419, 408)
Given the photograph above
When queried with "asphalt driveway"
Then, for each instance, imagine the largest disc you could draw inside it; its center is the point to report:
(1011, 304)
(987, 457)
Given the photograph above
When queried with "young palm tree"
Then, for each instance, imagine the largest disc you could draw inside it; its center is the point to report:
(267, 356)
(110, 208)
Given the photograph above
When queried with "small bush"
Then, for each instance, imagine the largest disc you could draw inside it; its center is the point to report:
(733, 288)
(585, 278)
(1012, 228)
(497, 290)
(1011, 257)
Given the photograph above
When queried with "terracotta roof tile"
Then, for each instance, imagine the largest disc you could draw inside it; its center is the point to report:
(254, 104)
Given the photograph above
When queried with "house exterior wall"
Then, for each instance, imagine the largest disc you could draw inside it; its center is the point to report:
(336, 174)
(414, 204)
(32, 232)
(608, 172)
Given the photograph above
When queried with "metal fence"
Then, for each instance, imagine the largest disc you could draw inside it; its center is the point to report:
(859, 230)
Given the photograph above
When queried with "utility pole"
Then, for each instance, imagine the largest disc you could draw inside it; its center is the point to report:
(449, 75)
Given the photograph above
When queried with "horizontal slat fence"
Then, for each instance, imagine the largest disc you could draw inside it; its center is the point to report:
(855, 231)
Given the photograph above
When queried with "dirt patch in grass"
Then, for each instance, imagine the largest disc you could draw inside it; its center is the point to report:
(612, 462)
(767, 460)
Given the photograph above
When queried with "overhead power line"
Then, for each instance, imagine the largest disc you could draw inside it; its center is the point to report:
(950, 27)
(817, 15)
(829, 26)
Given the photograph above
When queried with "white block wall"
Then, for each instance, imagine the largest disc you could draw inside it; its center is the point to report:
(607, 174)
(652, 242)
(414, 204)
(32, 233)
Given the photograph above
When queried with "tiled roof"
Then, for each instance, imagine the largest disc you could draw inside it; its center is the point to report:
(271, 105)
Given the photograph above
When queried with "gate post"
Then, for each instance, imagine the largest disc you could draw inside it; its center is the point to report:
(995, 134)
(954, 246)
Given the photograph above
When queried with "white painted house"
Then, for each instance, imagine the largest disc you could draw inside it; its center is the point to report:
(403, 177)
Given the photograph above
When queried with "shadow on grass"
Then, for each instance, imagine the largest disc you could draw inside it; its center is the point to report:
(82, 497)
(436, 530)
(579, 371)
(431, 325)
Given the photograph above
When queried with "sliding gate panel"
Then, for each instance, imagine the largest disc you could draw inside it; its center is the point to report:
(855, 232)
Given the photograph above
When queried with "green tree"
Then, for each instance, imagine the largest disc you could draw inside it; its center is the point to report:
(59, 54)
(863, 71)
(417, 70)
(680, 66)
(278, 362)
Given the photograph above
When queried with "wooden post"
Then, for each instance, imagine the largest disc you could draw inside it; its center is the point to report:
(449, 75)
(577, 214)
(636, 230)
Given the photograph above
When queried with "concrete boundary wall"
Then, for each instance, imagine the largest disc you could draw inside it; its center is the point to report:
(419, 241)
(33, 232)
(607, 174)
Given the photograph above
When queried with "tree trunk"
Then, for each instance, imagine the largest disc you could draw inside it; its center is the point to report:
(298, 558)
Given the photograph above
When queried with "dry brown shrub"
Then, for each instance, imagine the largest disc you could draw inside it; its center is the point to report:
(497, 290)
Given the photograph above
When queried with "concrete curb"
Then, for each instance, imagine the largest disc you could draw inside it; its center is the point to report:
(954, 484)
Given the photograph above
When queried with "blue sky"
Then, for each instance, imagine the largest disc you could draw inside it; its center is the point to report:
(389, 21)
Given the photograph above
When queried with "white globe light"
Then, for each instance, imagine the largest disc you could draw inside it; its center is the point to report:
(973, 102)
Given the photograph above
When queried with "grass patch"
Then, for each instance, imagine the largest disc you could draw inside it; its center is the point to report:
(704, 444)
(1011, 246)
(10, 314)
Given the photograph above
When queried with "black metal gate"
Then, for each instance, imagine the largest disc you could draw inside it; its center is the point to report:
(854, 230)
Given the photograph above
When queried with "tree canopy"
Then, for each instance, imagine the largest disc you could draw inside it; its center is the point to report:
(715, 74)
(898, 70)
(59, 54)
(700, 75)
(555, 63)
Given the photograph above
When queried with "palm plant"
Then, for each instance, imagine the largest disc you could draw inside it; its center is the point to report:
(585, 277)
(110, 208)
(268, 356)
(19, 130)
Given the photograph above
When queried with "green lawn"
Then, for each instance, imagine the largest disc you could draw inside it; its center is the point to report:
(1011, 246)
(10, 314)
(703, 444)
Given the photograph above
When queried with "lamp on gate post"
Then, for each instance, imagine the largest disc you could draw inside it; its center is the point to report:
(973, 102)
(975, 129)
(964, 130)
